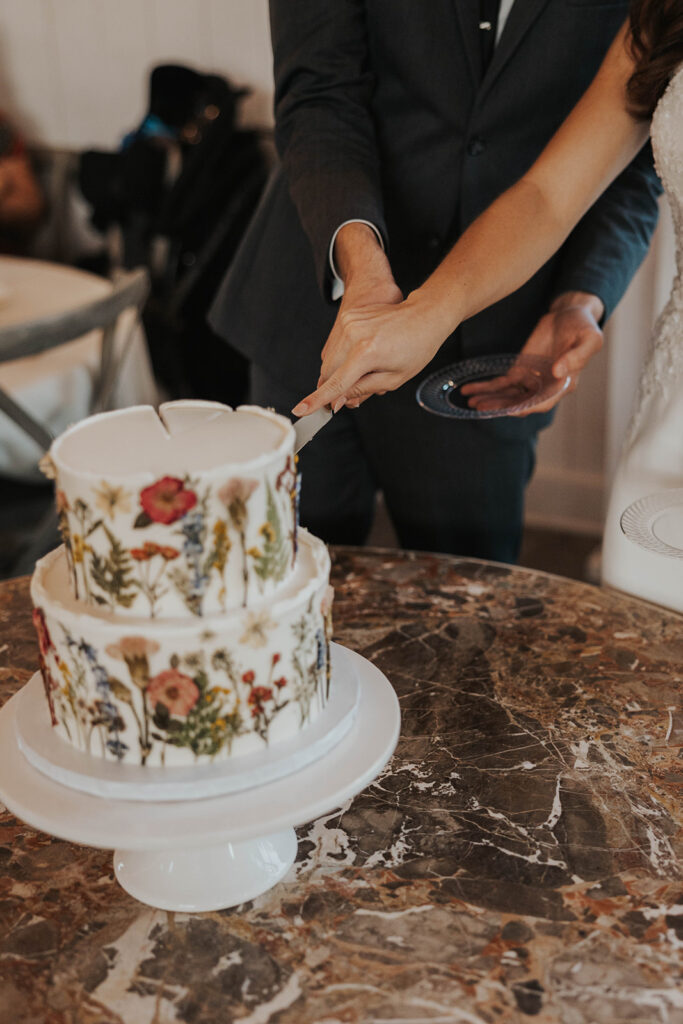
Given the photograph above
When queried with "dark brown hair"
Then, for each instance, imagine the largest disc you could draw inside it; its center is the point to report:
(657, 48)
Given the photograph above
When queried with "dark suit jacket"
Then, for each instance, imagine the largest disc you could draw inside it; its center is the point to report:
(382, 113)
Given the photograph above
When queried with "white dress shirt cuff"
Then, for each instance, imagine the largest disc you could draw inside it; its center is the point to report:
(337, 283)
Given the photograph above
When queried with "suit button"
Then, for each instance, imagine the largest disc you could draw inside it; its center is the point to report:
(434, 242)
(476, 145)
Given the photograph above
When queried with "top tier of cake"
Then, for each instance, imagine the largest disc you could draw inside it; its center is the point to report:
(188, 511)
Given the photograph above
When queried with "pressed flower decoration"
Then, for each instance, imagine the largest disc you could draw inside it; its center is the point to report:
(201, 700)
(112, 501)
(206, 542)
(176, 691)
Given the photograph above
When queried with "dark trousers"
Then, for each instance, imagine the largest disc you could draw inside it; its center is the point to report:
(449, 485)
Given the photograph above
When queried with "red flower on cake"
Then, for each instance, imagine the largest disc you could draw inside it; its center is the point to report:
(44, 639)
(149, 549)
(178, 692)
(259, 695)
(168, 553)
(45, 645)
(248, 677)
(61, 501)
(280, 682)
(287, 478)
(140, 554)
(167, 500)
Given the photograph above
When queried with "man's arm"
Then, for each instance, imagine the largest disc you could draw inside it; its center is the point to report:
(324, 130)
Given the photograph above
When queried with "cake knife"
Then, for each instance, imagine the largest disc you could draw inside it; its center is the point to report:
(308, 426)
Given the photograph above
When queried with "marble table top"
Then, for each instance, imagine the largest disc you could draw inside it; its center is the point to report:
(520, 856)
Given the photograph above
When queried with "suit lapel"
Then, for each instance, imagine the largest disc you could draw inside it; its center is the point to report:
(467, 14)
(520, 20)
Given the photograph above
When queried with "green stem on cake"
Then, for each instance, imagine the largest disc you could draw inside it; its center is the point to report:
(136, 716)
(245, 567)
(145, 745)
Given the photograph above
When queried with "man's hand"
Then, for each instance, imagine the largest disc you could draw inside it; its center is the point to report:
(569, 335)
(364, 268)
(383, 345)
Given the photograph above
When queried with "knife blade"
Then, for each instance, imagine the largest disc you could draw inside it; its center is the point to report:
(308, 426)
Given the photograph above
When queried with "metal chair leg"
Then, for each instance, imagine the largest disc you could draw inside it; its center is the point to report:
(23, 419)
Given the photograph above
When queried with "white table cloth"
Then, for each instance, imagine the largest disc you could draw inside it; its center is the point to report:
(56, 387)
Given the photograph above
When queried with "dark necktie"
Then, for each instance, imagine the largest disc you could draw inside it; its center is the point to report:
(488, 23)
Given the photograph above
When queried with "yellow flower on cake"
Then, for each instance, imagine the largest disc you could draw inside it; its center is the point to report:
(268, 532)
(47, 466)
(78, 547)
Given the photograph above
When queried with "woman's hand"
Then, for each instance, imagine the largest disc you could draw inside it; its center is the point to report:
(569, 335)
(373, 350)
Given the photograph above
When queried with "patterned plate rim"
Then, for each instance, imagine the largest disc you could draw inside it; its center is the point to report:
(459, 373)
(638, 520)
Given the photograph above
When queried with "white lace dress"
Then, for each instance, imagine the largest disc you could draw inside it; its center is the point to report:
(652, 457)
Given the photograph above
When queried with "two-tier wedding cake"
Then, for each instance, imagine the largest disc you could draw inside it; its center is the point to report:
(185, 618)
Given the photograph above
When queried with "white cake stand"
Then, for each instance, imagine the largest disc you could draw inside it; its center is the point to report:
(197, 855)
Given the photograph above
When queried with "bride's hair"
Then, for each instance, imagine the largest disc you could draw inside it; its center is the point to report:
(657, 48)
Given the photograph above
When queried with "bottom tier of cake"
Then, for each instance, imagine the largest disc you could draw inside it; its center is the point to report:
(178, 692)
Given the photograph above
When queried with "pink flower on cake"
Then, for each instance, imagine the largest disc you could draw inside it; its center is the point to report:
(237, 489)
(178, 692)
(167, 500)
(135, 651)
(235, 495)
(132, 647)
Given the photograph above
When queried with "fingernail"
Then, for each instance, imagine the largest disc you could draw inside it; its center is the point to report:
(339, 404)
(560, 370)
(301, 409)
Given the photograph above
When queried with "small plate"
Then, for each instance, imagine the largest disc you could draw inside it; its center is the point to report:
(656, 523)
(527, 382)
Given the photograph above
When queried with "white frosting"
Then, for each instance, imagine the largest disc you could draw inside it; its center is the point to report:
(181, 437)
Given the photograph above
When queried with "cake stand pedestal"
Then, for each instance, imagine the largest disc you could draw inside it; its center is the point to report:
(207, 854)
(193, 879)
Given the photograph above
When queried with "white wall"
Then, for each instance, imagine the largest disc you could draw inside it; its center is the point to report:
(74, 74)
